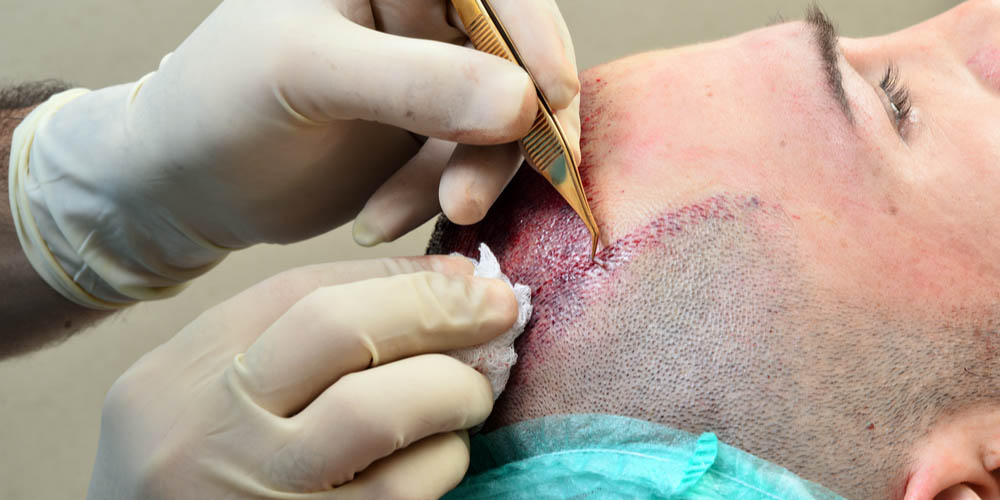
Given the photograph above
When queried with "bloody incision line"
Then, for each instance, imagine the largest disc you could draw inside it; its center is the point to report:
(540, 241)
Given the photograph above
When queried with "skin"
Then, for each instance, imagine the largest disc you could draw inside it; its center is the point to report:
(821, 291)
(870, 184)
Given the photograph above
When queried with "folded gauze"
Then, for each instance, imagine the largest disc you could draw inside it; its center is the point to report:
(496, 357)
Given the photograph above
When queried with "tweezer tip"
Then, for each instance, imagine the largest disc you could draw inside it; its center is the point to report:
(593, 246)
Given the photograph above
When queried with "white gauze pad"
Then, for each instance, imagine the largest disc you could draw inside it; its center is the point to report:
(496, 357)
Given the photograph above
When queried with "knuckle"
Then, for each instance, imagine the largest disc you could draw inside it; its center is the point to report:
(444, 264)
(498, 118)
(447, 298)
(478, 305)
(401, 265)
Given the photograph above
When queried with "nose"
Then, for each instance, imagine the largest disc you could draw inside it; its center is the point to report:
(975, 29)
(964, 37)
(982, 7)
(968, 25)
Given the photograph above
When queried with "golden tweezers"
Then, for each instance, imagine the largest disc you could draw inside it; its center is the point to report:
(545, 146)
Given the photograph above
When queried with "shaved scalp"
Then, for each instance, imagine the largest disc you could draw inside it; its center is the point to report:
(704, 320)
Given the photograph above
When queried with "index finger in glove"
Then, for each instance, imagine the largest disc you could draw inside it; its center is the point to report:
(342, 329)
(476, 175)
(428, 87)
(247, 315)
(539, 32)
(542, 38)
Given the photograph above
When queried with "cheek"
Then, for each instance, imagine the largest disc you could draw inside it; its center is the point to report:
(670, 291)
(985, 63)
(653, 143)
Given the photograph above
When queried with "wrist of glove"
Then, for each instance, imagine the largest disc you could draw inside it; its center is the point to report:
(275, 127)
(91, 238)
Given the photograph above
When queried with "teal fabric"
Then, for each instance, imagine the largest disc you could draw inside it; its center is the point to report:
(606, 456)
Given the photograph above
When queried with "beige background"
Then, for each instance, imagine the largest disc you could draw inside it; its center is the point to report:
(50, 401)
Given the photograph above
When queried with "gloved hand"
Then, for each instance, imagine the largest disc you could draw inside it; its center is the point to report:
(275, 122)
(334, 398)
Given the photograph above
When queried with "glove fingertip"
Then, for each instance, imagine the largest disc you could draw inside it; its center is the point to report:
(463, 210)
(365, 233)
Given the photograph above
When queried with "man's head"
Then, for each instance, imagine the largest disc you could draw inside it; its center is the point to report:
(791, 258)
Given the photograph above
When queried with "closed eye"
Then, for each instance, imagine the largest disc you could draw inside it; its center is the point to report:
(897, 97)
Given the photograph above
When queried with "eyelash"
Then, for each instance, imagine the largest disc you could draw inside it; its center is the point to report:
(898, 94)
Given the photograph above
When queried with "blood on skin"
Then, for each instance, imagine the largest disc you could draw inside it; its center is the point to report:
(596, 112)
(542, 243)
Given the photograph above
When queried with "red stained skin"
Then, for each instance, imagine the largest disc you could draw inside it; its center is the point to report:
(986, 64)
(542, 243)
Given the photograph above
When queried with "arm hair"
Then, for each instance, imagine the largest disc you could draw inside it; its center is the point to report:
(33, 314)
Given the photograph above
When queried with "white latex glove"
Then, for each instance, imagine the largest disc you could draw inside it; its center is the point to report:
(334, 398)
(274, 122)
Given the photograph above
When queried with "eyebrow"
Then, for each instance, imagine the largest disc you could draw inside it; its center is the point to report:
(825, 38)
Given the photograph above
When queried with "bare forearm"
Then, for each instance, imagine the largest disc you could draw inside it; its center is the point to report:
(33, 314)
